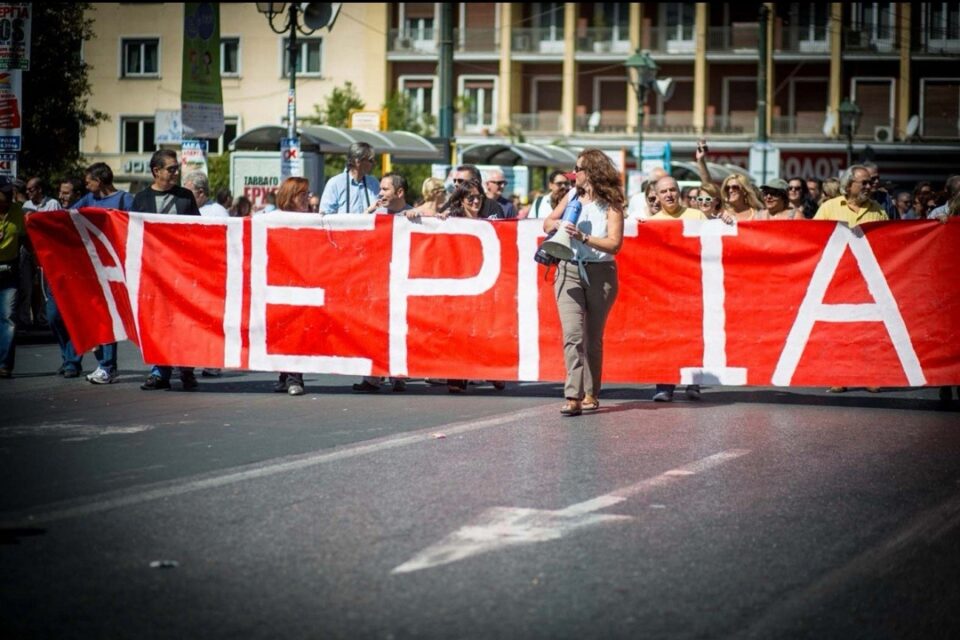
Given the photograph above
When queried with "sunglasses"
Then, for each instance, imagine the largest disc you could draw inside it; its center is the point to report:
(562, 183)
(501, 183)
(652, 199)
(732, 187)
(794, 188)
(578, 168)
(770, 194)
(174, 168)
(864, 183)
(472, 198)
(704, 199)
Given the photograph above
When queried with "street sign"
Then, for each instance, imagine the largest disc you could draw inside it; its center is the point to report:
(193, 156)
(290, 162)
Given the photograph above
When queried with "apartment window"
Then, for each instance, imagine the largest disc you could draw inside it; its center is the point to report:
(419, 91)
(230, 56)
(478, 96)
(141, 57)
(309, 57)
(942, 22)
(549, 21)
(677, 19)
(811, 20)
(875, 97)
(137, 135)
(875, 21)
(219, 145)
(940, 107)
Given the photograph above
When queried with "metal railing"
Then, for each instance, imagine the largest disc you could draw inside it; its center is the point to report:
(536, 41)
(938, 41)
(801, 39)
(608, 122)
(402, 41)
(739, 37)
(604, 40)
(862, 40)
(543, 122)
(803, 124)
(476, 40)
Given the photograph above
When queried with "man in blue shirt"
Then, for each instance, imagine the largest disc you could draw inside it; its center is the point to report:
(354, 190)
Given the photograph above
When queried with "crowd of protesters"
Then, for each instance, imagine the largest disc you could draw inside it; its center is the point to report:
(858, 195)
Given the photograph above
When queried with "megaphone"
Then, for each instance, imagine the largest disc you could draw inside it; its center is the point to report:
(665, 87)
(558, 245)
(317, 15)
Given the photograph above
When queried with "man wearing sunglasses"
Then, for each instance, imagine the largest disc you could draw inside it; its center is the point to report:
(855, 204)
(494, 187)
(166, 195)
(559, 184)
(880, 195)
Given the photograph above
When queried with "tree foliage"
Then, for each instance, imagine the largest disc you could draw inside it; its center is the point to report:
(336, 113)
(56, 92)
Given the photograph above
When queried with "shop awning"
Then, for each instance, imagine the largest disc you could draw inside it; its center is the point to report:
(547, 155)
(401, 145)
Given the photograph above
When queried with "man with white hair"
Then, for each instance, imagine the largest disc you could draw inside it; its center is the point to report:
(354, 190)
(494, 186)
(638, 207)
(199, 185)
(855, 204)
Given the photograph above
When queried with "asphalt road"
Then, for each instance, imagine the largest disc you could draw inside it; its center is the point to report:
(755, 513)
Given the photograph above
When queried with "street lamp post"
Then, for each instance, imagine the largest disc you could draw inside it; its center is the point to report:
(642, 73)
(849, 119)
(291, 24)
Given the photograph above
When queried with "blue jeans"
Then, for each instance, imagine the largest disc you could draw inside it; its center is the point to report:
(107, 356)
(71, 359)
(164, 373)
(8, 326)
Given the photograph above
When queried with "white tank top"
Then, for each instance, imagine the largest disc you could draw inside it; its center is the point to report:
(593, 222)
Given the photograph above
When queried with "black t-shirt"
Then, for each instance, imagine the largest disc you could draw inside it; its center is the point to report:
(491, 209)
(176, 201)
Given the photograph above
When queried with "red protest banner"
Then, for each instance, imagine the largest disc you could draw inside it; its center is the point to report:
(760, 303)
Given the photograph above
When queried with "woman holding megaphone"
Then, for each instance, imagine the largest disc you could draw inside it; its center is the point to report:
(586, 284)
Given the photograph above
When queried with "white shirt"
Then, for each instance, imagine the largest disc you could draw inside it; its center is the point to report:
(214, 210)
(638, 207)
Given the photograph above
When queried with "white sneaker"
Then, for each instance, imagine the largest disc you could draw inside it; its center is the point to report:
(102, 376)
(295, 389)
(663, 396)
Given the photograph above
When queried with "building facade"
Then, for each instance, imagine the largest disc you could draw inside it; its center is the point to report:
(553, 72)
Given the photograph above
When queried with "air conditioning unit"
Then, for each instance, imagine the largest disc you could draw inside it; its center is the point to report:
(883, 134)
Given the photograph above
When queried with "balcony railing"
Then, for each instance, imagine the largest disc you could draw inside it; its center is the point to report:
(806, 125)
(543, 122)
(803, 39)
(536, 41)
(608, 122)
(739, 37)
(862, 40)
(675, 40)
(476, 40)
(939, 41)
(604, 40)
(420, 42)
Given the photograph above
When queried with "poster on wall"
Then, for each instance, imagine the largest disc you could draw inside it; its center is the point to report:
(15, 36)
(11, 95)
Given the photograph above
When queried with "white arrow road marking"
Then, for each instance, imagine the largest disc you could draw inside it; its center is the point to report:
(502, 527)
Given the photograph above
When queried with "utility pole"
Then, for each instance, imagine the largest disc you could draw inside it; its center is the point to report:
(762, 88)
(445, 78)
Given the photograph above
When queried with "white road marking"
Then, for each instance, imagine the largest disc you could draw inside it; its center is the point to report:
(72, 429)
(139, 495)
(502, 527)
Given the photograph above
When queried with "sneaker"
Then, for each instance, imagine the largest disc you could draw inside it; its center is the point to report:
(873, 389)
(366, 387)
(211, 373)
(102, 376)
(189, 382)
(294, 388)
(5, 373)
(693, 392)
(499, 385)
(154, 383)
(71, 373)
(837, 390)
(280, 386)
(663, 396)
(399, 386)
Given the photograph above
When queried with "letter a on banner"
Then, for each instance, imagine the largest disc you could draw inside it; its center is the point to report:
(813, 309)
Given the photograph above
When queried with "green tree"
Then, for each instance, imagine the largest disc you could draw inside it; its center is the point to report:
(401, 116)
(56, 91)
(336, 113)
(218, 168)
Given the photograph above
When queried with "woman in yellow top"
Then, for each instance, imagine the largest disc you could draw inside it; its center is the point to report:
(11, 227)
(586, 287)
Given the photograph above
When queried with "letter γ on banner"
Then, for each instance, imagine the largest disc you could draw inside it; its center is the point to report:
(402, 286)
(263, 294)
(813, 309)
(105, 275)
(714, 369)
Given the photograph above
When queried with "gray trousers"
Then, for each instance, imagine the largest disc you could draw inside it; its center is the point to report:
(583, 315)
